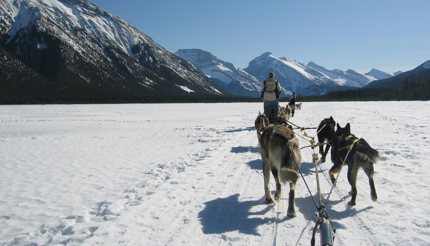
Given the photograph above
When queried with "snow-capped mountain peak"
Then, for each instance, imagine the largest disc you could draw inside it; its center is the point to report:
(293, 75)
(80, 16)
(376, 74)
(209, 64)
(272, 62)
(94, 46)
(310, 79)
(236, 81)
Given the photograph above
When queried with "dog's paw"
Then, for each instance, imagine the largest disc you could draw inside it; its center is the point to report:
(322, 160)
(374, 197)
(332, 178)
(351, 203)
(291, 213)
(277, 196)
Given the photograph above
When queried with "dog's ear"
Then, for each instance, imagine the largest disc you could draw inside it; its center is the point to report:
(348, 128)
(338, 126)
(331, 118)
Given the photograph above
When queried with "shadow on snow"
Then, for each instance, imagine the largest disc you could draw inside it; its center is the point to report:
(307, 168)
(256, 165)
(306, 207)
(229, 214)
(245, 149)
(250, 128)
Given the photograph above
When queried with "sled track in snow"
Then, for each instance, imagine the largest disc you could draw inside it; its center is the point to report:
(369, 236)
(275, 225)
(77, 228)
(217, 179)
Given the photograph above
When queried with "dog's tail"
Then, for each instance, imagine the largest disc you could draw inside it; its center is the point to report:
(367, 151)
(290, 168)
(288, 174)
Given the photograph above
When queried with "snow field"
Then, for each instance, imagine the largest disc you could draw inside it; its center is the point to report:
(190, 174)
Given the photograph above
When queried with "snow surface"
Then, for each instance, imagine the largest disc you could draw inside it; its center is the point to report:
(296, 66)
(185, 88)
(190, 174)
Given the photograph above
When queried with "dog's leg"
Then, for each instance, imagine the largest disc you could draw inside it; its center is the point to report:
(259, 137)
(266, 174)
(334, 170)
(327, 147)
(352, 179)
(369, 172)
(278, 192)
(321, 147)
(291, 210)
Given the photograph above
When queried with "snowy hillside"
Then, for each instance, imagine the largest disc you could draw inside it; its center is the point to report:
(415, 79)
(188, 174)
(376, 74)
(291, 74)
(310, 79)
(86, 50)
(235, 81)
(209, 64)
(344, 78)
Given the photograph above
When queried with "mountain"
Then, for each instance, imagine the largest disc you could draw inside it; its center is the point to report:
(311, 79)
(209, 64)
(419, 75)
(343, 78)
(410, 85)
(307, 80)
(293, 75)
(225, 74)
(70, 50)
(378, 74)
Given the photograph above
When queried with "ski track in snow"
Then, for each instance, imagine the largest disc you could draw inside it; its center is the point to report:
(190, 174)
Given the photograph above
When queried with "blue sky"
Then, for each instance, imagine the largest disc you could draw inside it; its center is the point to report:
(390, 35)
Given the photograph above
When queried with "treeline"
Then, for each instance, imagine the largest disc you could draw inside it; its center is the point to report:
(408, 90)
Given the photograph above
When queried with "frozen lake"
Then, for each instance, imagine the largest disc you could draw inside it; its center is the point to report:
(190, 174)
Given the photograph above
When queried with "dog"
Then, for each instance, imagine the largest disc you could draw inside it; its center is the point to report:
(325, 132)
(280, 153)
(298, 106)
(284, 114)
(356, 153)
(260, 123)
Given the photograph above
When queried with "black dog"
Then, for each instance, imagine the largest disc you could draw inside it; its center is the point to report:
(356, 153)
(325, 132)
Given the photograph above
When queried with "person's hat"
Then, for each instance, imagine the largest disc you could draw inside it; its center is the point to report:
(271, 75)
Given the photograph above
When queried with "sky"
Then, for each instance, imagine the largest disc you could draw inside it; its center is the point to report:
(390, 35)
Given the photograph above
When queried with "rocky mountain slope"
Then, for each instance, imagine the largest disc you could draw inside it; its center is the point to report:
(304, 79)
(235, 80)
(75, 51)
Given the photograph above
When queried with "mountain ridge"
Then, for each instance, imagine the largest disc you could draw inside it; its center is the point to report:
(410, 85)
(87, 52)
(305, 79)
(71, 50)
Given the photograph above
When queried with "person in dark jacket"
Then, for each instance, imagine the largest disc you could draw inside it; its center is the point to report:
(292, 103)
(270, 95)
